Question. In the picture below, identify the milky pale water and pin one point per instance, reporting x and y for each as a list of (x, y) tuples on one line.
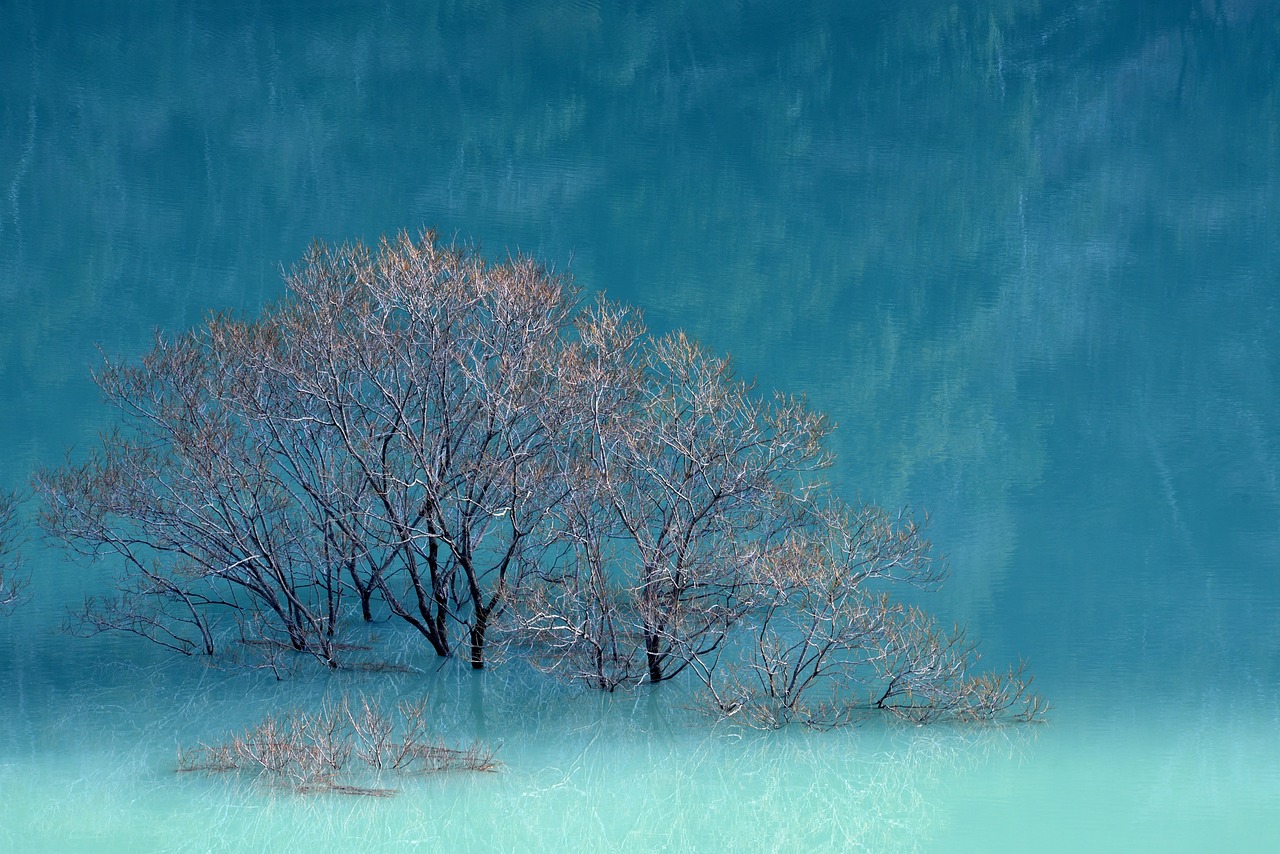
[(1026, 254)]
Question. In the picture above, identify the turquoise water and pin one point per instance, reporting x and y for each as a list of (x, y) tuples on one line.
[(1024, 253)]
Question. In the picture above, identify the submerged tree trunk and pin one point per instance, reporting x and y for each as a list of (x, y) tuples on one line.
[(653, 656), (440, 594), (364, 592), (478, 630)]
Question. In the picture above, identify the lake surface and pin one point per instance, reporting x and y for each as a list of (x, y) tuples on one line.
[(1026, 254)]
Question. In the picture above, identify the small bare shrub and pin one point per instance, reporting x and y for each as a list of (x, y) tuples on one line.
[(320, 751)]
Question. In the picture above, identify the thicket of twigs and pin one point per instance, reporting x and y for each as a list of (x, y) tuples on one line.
[(338, 748)]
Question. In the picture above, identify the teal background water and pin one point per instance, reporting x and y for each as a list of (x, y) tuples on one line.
[(1025, 253)]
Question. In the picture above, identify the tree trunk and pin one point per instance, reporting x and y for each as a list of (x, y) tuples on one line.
[(651, 653), (477, 639), (439, 593)]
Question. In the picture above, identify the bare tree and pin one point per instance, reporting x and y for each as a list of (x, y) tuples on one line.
[(695, 536), (382, 432), (12, 581), (188, 496), (928, 674), (429, 371), (827, 645), (682, 481)]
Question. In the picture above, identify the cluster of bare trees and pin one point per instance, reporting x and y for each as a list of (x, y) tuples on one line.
[(419, 434)]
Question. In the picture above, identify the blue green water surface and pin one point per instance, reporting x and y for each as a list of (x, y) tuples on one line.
[(1027, 254)]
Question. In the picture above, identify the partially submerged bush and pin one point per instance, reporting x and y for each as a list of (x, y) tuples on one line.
[(333, 749)]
